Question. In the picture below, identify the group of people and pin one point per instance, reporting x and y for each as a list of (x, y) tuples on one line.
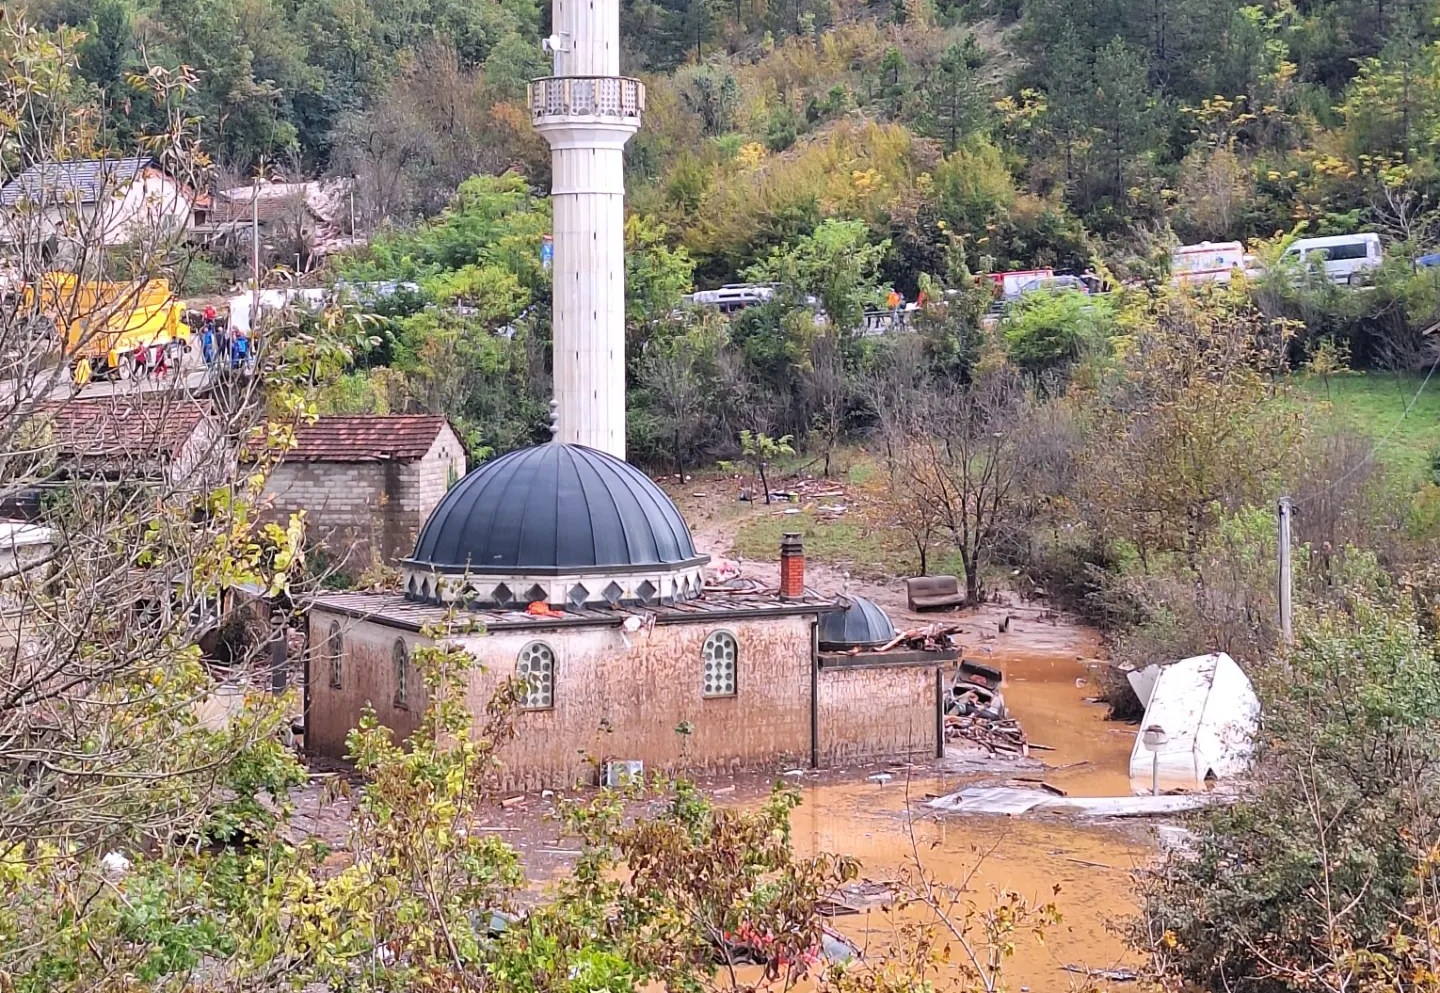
[(219, 347), (159, 359)]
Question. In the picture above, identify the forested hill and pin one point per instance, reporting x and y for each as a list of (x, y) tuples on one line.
[(1031, 131)]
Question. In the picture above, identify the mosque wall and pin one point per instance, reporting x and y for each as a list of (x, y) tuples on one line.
[(615, 695), (876, 711), (366, 653)]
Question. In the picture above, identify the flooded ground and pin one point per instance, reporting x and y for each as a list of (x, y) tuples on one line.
[(1047, 685), (984, 855), (1050, 688)]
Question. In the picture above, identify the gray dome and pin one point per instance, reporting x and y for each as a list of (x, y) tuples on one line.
[(554, 509), (860, 625)]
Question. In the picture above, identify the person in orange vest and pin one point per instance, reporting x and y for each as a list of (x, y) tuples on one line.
[(893, 302)]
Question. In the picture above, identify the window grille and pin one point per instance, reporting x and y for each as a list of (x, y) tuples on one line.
[(720, 653), (536, 667)]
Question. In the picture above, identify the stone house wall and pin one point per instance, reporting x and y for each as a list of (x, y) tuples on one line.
[(358, 510)]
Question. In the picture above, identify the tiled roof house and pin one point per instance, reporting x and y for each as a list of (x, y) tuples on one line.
[(366, 483), (93, 201)]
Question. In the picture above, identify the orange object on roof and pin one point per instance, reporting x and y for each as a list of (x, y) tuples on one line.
[(542, 609)]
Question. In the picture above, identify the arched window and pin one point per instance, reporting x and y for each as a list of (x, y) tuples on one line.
[(335, 652), (720, 655), (536, 667), (400, 658)]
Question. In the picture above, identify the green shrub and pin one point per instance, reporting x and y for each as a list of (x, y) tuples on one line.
[(1046, 330), (1310, 873)]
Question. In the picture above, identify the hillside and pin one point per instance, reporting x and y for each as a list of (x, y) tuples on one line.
[(1026, 132)]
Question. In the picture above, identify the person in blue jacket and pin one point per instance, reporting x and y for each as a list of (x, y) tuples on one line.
[(239, 350)]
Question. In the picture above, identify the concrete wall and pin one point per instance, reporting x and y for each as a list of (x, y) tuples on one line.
[(358, 510), (612, 701), (877, 711)]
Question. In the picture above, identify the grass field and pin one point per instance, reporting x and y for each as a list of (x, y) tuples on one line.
[(1374, 404), (863, 542)]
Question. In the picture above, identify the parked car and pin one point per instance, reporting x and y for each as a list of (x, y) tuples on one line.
[(1345, 259), (734, 296), (1052, 284), (1007, 284)]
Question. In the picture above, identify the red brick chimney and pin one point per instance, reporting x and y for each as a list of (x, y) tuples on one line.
[(792, 567)]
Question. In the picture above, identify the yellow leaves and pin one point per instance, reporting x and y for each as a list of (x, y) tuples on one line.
[(751, 154), (865, 181)]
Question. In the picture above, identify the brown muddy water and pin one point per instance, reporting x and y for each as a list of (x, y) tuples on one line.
[(983, 856), (888, 827)]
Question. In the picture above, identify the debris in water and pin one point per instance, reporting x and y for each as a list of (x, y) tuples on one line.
[(1113, 975), (1009, 800), (996, 737)]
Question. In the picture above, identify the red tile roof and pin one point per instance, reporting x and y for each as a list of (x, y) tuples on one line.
[(119, 425), (367, 438)]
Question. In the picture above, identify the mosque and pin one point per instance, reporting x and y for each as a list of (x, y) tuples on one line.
[(565, 566)]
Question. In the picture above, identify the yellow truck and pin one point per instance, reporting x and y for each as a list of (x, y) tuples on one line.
[(99, 325)]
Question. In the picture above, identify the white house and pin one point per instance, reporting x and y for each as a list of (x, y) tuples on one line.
[(104, 202)]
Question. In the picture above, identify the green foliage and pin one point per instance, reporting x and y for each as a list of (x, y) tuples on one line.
[(1048, 330), (838, 264), (491, 219), (1312, 871), (711, 92), (957, 103), (656, 276), (474, 350), (202, 276)]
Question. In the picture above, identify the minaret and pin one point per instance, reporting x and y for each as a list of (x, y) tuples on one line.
[(587, 111)]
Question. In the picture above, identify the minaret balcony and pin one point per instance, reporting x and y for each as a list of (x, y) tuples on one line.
[(608, 99)]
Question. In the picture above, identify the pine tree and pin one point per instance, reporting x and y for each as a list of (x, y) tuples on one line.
[(956, 103)]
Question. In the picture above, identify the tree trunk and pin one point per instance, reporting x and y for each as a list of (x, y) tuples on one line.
[(973, 589), (764, 484)]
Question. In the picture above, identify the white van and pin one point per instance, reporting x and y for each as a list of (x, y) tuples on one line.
[(1345, 257), (1207, 262)]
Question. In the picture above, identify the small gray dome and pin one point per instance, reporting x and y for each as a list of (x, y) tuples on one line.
[(860, 625), (553, 509)]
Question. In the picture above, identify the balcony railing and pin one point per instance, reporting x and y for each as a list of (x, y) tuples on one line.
[(587, 96)]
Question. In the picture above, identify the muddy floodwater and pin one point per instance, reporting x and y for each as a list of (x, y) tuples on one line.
[(888, 827), (1090, 865)]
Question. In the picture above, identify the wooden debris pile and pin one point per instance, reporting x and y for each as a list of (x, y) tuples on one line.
[(998, 737), (930, 638)]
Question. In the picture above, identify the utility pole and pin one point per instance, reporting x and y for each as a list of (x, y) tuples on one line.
[(255, 252), (1284, 511)]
